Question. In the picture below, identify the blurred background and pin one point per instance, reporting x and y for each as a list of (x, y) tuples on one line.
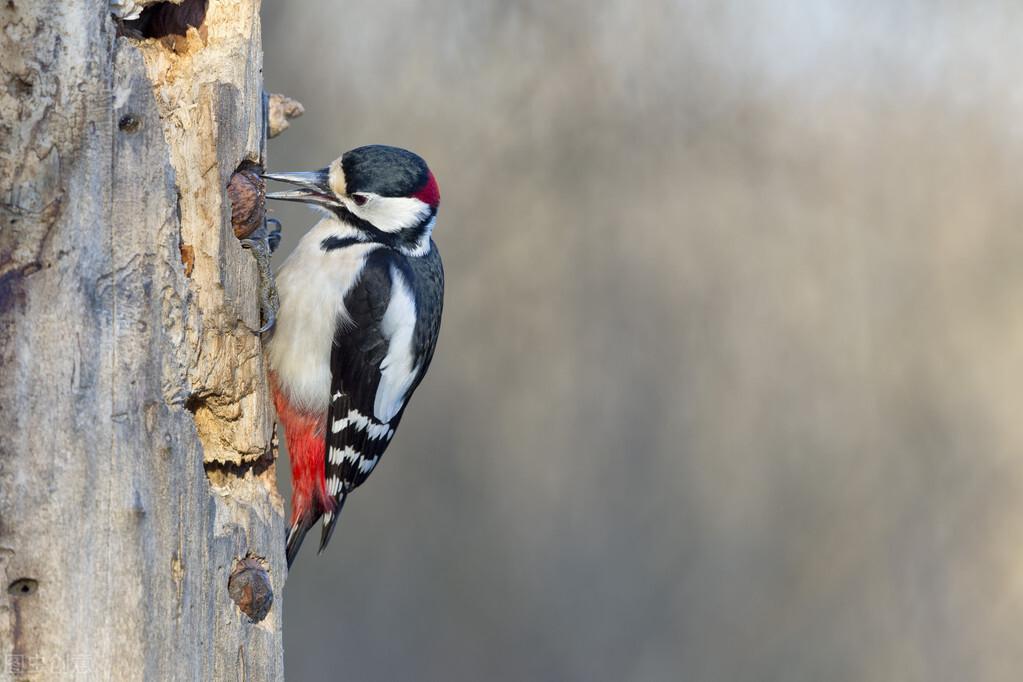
[(730, 380)]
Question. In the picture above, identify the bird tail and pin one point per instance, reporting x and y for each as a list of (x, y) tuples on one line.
[(330, 520), (297, 533)]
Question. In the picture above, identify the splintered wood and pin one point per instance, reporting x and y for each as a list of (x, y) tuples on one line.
[(137, 469)]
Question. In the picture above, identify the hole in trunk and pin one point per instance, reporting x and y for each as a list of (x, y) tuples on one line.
[(222, 474), (167, 19), (23, 587)]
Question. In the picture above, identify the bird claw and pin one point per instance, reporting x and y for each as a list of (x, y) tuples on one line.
[(271, 321), (262, 243), (273, 236)]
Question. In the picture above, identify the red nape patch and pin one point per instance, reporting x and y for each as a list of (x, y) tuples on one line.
[(304, 433), (430, 192)]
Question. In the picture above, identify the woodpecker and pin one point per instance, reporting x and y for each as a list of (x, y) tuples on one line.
[(360, 307)]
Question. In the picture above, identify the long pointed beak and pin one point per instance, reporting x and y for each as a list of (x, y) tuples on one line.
[(314, 187)]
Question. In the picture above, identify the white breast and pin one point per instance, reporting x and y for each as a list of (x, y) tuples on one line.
[(312, 285)]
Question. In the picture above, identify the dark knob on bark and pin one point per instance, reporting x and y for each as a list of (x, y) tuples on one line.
[(250, 588), (247, 194)]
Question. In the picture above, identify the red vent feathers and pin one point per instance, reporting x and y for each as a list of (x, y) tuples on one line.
[(306, 449)]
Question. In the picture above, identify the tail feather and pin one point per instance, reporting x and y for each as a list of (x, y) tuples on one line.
[(330, 520), (297, 534)]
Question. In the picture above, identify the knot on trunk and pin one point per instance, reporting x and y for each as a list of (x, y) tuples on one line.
[(250, 588), (247, 193)]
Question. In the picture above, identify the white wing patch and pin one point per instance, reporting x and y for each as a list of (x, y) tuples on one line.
[(396, 371)]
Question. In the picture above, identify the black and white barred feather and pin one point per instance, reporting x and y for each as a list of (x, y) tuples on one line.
[(382, 349)]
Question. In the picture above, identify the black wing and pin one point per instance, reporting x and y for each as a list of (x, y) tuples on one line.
[(361, 419)]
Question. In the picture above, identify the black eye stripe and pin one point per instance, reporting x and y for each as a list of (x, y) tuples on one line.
[(407, 236)]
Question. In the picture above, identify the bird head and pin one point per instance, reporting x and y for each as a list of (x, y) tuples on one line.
[(385, 194)]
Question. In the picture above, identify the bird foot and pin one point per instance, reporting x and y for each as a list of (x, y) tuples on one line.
[(263, 242)]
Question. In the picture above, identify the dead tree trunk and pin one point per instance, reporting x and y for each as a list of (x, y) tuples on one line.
[(136, 459)]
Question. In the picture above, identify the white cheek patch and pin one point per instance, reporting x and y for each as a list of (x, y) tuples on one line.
[(391, 214)]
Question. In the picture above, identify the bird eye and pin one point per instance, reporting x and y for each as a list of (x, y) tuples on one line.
[(360, 199)]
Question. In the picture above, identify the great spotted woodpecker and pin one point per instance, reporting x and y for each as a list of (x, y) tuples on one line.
[(360, 309)]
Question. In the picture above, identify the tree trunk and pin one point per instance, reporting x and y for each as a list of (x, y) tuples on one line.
[(137, 463)]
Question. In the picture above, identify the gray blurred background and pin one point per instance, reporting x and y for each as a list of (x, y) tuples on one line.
[(730, 381)]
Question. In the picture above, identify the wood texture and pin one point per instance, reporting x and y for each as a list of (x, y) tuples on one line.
[(137, 466)]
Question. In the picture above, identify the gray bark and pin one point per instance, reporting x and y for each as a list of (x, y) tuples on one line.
[(137, 463)]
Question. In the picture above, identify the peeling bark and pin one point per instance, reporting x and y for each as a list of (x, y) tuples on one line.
[(137, 468)]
